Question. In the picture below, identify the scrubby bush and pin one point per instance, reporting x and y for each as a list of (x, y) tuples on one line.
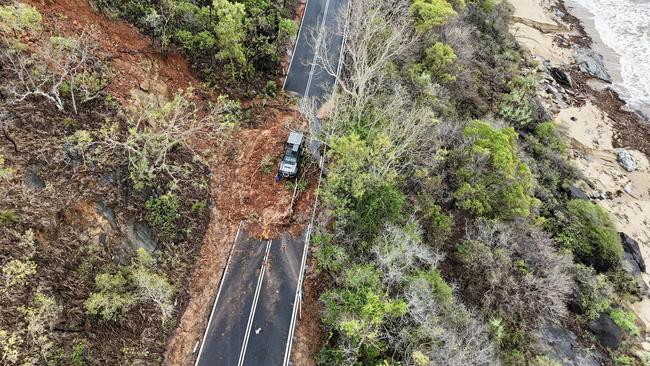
[(516, 272), (162, 214), (625, 319), (431, 13), (493, 182), (595, 293), (591, 235)]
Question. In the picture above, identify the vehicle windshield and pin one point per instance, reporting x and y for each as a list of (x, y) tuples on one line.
[(290, 159)]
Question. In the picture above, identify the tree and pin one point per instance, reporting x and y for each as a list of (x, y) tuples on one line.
[(516, 272), (154, 131), (438, 59), (61, 67), (230, 31), (152, 286), (493, 182), (430, 13), (360, 187), (112, 297)]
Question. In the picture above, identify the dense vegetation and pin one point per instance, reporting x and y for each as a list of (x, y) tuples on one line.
[(449, 236), (103, 209), (226, 41)]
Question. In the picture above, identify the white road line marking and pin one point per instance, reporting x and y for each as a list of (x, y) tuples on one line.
[(254, 306), (295, 46), (298, 295), (214, 307)]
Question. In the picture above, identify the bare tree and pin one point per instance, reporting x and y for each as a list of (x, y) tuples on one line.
[(59, 66), (377, 32), (154, 131), (517, 271)]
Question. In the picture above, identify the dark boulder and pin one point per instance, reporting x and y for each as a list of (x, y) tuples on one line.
[(629, 265), (561, 77), (632, 247), (578, 193), (32, 180), (608, 333), (562, 346)]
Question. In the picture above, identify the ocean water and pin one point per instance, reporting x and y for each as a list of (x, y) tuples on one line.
[(623, 26)]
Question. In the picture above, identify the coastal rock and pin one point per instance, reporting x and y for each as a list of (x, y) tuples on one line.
[(608, 333), (631, 247), (562, 345), (629, 265), (591, 62), (561, 77), (576, 192), (625, 159)]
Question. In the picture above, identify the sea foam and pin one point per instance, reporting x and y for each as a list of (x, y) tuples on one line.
[(624, 26)]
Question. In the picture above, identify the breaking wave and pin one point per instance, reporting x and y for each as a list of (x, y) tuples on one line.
[(624, 26)]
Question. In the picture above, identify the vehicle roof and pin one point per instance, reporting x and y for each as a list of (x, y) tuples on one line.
[(295, 138)]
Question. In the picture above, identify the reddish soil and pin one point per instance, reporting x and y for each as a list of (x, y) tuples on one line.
[(240, 191), (239, 188), (131, 54)]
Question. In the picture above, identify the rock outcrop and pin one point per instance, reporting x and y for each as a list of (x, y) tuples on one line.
[(606, 331), (562, 346), (631, 248), (591, 63)]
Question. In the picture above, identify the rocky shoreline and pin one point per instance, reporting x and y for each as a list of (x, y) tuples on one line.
[(609, 144)]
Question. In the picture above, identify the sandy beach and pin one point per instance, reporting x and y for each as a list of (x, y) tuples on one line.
[(591, 128)]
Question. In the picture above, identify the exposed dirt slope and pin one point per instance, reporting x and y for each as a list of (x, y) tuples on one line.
[(134, 59)]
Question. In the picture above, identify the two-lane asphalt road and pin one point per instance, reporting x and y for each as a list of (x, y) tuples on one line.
[(251, 318), (320, 21), (255, 310)]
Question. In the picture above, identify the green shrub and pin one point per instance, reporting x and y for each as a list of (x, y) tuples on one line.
[(439, 59), (430, 13), (78, 354), (8, 217), (494, 182), (591, 235), (626, 320), (595, 292), (547, 133), (329, 257), (113, 296), (162, 214), (19, 18)]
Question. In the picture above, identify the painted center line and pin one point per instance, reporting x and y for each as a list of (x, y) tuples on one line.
[(254, 306)]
